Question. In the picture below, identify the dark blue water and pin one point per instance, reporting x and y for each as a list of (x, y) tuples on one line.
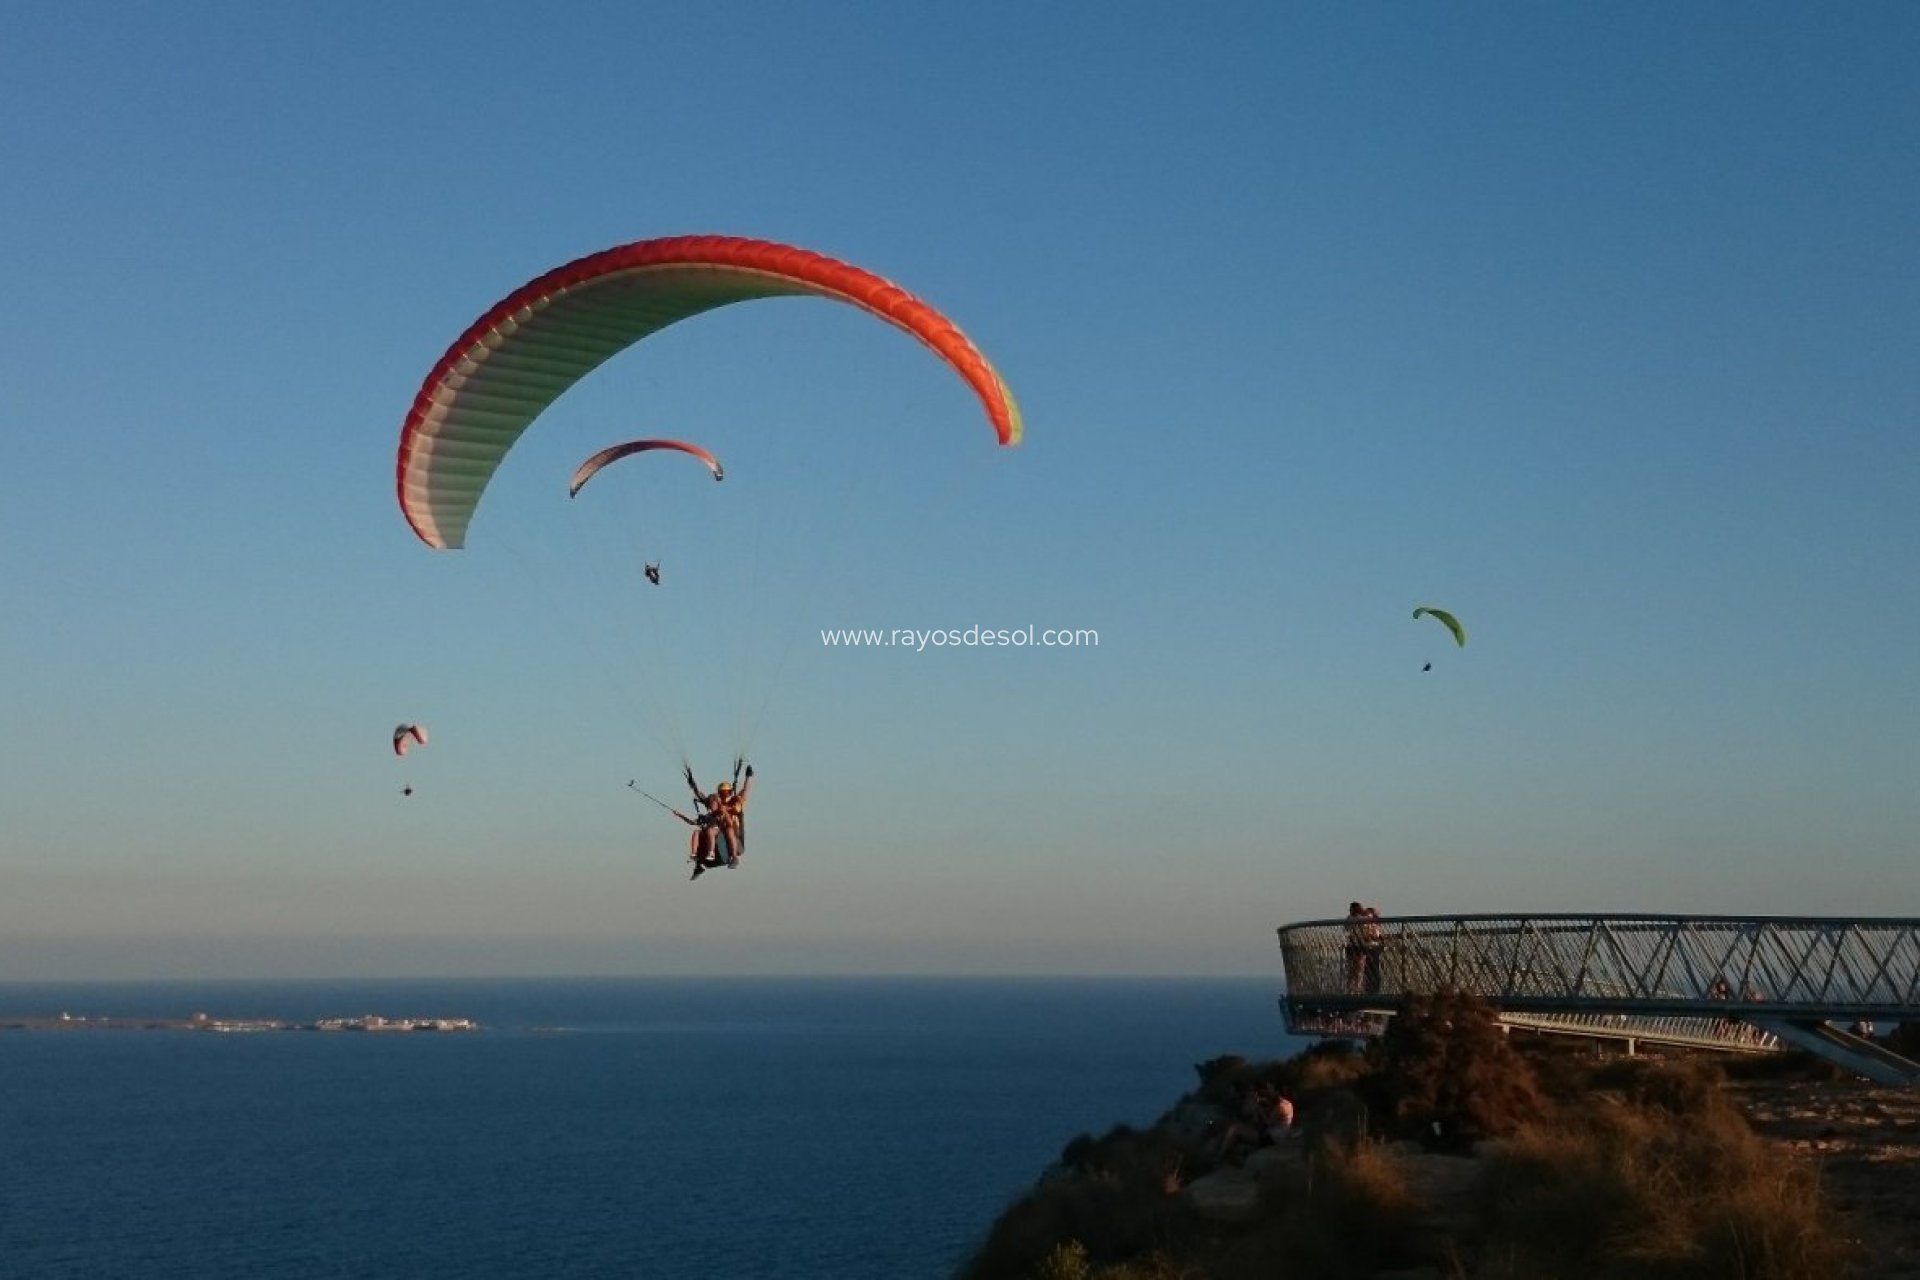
[(802, 1129)]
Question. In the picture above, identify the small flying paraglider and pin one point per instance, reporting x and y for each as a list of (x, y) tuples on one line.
[(406, 736), (613, 453), (1446, 620)]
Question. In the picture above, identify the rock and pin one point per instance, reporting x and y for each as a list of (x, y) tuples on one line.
[(1268, 1165), (1227, 1195), (1445, 1186)]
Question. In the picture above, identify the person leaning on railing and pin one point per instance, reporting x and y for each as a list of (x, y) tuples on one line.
[(1356, 947), (1372, 938), (1364, 944)]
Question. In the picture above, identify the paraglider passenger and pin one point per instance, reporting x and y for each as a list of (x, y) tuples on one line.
[(701, 850), (731, 805)]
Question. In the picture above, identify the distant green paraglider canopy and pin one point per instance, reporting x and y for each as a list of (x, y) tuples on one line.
[(1446, 619)]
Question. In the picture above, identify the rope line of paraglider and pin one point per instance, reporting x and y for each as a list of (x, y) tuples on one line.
[(646, 704)]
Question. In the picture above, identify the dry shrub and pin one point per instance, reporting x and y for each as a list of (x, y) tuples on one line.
[(1561, 1064), (1654, 1178), (1359, 1214), (1362, 1186), (1333, 1117), (1155, 1266), (1108, 1219), (1794, 1064), (1113, 1203), (1679, 1086), (1068, 1261), (1444, 1073), (1065, 1261), (1219, 1078), (1329, 1065)]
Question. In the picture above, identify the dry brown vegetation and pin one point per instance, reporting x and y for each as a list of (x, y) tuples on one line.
[(1446, 1074), (1658, 1174), (1445, 1151)]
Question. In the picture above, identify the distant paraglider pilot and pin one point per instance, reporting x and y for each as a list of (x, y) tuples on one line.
[(653, 574), (406, 737), (1445, 619)]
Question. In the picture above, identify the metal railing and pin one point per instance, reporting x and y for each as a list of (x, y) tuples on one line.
[(1706, 967)]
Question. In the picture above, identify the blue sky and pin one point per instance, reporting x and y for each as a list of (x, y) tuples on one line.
[(1595, 326)]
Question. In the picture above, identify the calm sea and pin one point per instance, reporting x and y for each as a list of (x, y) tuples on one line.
[(796, 1128)]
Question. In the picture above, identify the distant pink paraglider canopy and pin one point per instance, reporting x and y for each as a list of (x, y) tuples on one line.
[(613, 453), (408, 735)]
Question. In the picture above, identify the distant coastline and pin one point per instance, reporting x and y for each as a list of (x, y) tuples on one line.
[(371, 1022)]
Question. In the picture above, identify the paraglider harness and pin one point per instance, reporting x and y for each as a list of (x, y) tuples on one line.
[(726, 843)]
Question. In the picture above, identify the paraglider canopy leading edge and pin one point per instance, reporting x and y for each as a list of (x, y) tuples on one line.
[(1446, 620), (539, 340)]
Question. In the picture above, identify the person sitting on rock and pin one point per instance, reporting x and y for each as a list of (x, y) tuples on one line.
[(1280, 1118), (1265, 1119)]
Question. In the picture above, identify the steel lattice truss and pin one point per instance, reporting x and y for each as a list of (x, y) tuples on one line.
[(1797, 967)]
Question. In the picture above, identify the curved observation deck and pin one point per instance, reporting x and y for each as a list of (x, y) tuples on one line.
[(1743, 983)]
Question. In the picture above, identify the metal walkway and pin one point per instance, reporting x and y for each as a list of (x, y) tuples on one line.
[(1739, 983)]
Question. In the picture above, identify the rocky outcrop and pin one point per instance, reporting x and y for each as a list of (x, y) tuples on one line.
[(1226, 1195)]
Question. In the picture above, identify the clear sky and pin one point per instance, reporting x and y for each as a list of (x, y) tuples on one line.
[(1597, 325)]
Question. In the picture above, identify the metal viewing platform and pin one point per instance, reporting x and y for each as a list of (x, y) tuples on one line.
[(1750, 984)]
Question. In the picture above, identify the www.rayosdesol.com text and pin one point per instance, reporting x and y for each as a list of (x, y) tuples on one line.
[(960, 638)]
